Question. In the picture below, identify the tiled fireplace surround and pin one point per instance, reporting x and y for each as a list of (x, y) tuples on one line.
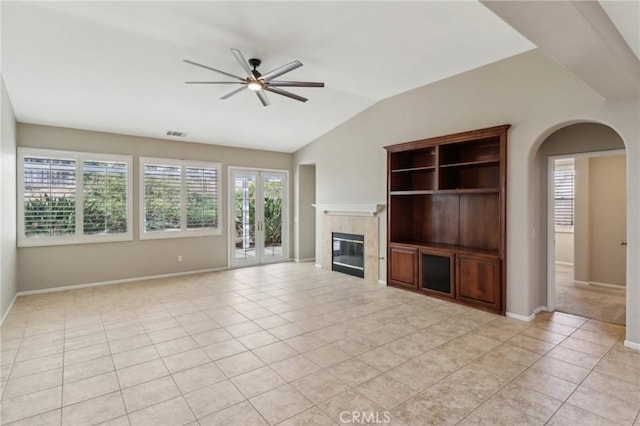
[(352, 219)]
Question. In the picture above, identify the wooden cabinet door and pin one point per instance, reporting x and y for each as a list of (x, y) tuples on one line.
[(403, 267), (478, 281)]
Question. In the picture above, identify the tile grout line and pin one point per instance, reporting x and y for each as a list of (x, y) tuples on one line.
[(115, 372)]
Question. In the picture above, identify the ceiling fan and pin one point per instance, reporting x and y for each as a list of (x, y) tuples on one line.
[(258, 82)]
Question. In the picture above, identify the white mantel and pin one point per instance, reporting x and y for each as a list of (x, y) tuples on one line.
[(350, 209)]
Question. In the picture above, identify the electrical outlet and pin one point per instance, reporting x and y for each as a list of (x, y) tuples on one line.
[(179, 258)]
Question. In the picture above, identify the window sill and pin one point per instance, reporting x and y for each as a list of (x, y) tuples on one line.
[(158, 235), (564, 229), (66, 241)]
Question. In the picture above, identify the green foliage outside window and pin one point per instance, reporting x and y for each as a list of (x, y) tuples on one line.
[(161, 204), (50, 216), (105, 211), (272, 213)]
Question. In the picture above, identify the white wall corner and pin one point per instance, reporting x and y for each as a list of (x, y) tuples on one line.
[(382, 282), (520, 317), (632, 345), (530, 317), (6, 314)]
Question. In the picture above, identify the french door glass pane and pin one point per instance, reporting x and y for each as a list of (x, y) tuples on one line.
[(244, 217), (272, 187)]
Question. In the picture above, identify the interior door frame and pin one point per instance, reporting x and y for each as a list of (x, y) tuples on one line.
[(551, 217), (231, 223)]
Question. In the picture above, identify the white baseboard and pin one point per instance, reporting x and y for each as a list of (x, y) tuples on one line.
[(317, 265), (520, 317), (606, 285), (597, 284), (122, 281), (564, 263), (632, 345), (530, 317), (311, 259), (6, 314), (382, 282)]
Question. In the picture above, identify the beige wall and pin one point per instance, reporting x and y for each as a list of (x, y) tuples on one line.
[(8, 253), (607, 221), (305, 220), (54, 266), (533, 94), (564, 247)]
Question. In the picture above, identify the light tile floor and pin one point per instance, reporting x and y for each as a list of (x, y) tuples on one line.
[(291, 344)]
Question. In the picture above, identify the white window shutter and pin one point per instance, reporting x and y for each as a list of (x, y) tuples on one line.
[(49, 197)]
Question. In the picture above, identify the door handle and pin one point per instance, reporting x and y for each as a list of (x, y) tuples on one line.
[(624, 243)]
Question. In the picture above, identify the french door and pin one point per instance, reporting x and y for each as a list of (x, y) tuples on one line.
[(258, 216)]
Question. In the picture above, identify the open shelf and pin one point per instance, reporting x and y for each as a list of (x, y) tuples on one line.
[(472, 164), (419, 158), (413, 169), (421, 179), (468, 191), (475, 176), (481, 150), (414, 192)]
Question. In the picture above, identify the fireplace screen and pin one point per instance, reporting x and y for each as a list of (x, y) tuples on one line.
[(348, 254)]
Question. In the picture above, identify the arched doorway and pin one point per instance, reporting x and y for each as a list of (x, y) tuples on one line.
[(575, 284)]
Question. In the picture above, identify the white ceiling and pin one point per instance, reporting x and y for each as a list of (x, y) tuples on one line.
[(117, 66)]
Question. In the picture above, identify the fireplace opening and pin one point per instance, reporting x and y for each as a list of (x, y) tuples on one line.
[(348, 254)]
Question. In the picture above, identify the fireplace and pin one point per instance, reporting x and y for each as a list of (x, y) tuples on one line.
[(348, 253)]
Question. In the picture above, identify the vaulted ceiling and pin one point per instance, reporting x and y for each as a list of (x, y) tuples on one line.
[(117, 66)]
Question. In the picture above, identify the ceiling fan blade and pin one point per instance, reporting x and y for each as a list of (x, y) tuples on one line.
[(282, 70), (273, 83), (238, 90), (263, 97), (213, 82), (213, 69), (285, 93), (243, 62)]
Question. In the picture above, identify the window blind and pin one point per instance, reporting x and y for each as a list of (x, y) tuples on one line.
[(49, 197), (105, 197), (202, 197), (564, 187), (162, 197)]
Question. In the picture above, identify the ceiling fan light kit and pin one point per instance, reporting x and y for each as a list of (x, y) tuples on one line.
[(257, 82)]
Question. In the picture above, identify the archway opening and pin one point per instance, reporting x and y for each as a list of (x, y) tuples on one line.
[(583, 210)]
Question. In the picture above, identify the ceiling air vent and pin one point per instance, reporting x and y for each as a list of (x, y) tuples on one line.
[(176, 134)]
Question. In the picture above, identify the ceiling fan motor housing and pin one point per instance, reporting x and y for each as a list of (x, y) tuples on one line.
[(255, 63)]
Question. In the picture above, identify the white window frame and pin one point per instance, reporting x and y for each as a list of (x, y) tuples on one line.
[(78, 237), (183, 232)]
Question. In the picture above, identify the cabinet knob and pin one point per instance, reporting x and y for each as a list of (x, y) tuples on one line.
[(624, 243)]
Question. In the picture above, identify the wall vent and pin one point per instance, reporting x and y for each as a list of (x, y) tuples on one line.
[(176, 133)]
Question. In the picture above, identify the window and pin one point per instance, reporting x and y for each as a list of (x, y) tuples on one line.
[(564, 186), (179, 198), (70, 197)]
